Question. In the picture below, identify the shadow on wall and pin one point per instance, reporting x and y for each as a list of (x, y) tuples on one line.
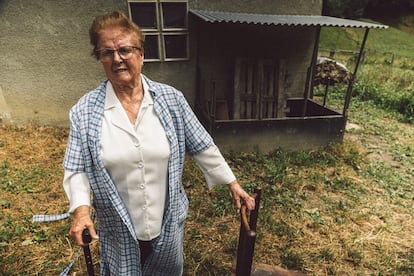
[(4, 109)]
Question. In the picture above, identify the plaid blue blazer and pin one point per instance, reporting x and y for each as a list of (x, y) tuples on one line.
[(120, 254)]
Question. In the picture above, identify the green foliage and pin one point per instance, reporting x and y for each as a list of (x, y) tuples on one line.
[(393, 94), (20, 180), (390, 40), (380, 41), (355, 256), (336, 38), (345, 8), (389, 86), (291, 259), (373, 8)]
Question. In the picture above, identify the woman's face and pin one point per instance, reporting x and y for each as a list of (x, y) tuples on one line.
[(121, 71)]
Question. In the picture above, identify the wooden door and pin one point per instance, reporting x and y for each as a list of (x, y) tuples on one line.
[(256, 89)]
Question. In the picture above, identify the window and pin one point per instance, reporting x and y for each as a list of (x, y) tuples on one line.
[(164, 24)]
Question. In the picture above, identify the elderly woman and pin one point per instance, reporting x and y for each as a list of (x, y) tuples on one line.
[(127, 144)]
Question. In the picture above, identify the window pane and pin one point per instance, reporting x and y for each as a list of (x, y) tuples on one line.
[(144, 14), (175, 46), (151, 47), (174, 15)]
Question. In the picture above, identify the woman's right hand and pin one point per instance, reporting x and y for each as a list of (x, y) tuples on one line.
[(82, 220)]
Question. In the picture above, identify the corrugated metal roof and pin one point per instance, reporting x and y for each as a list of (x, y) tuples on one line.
[(281, 20)]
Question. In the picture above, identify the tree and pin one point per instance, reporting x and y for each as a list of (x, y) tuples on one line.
[(344, 8), (380, 8)]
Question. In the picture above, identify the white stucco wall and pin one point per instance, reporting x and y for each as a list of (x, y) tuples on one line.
[(45, 61)]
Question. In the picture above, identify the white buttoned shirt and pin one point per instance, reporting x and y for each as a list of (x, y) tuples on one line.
[(136, 157)]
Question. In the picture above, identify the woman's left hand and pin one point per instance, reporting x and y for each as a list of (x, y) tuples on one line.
[(239, 194)]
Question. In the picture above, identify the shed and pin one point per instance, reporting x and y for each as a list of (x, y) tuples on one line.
[(252, 92), (246, 69)]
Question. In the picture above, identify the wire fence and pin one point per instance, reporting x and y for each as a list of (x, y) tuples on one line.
[(349, 57)]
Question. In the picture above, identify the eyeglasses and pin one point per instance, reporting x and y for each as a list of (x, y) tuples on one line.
[(124, 52)]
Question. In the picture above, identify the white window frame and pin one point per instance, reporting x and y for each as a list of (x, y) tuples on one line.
[(161, 31), (160, 55), (165, 48)]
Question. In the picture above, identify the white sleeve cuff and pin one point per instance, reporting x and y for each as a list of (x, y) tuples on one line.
[(76, 186), (215, 168)]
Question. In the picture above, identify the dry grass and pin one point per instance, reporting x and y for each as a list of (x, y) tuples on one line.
[(336, 211)]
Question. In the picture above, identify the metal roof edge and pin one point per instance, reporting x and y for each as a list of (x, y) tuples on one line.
[(281, 20)]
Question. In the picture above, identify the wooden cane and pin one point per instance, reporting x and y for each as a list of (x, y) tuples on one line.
[(86, 238)]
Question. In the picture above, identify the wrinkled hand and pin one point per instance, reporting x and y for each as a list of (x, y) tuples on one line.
[(81, 221), (239, 194)]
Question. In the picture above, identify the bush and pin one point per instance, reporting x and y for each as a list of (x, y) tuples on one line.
[(389, 88)]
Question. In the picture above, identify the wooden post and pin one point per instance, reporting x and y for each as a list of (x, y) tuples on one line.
[(281, 96), (237, 88)]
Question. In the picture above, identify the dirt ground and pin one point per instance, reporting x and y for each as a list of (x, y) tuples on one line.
[(30, 162)]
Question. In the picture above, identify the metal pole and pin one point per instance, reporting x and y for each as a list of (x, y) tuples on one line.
[(311, 73), (352, 81)]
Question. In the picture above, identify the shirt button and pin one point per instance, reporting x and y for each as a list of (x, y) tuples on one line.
[(140, 164), (145, 207), (142, 186)]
